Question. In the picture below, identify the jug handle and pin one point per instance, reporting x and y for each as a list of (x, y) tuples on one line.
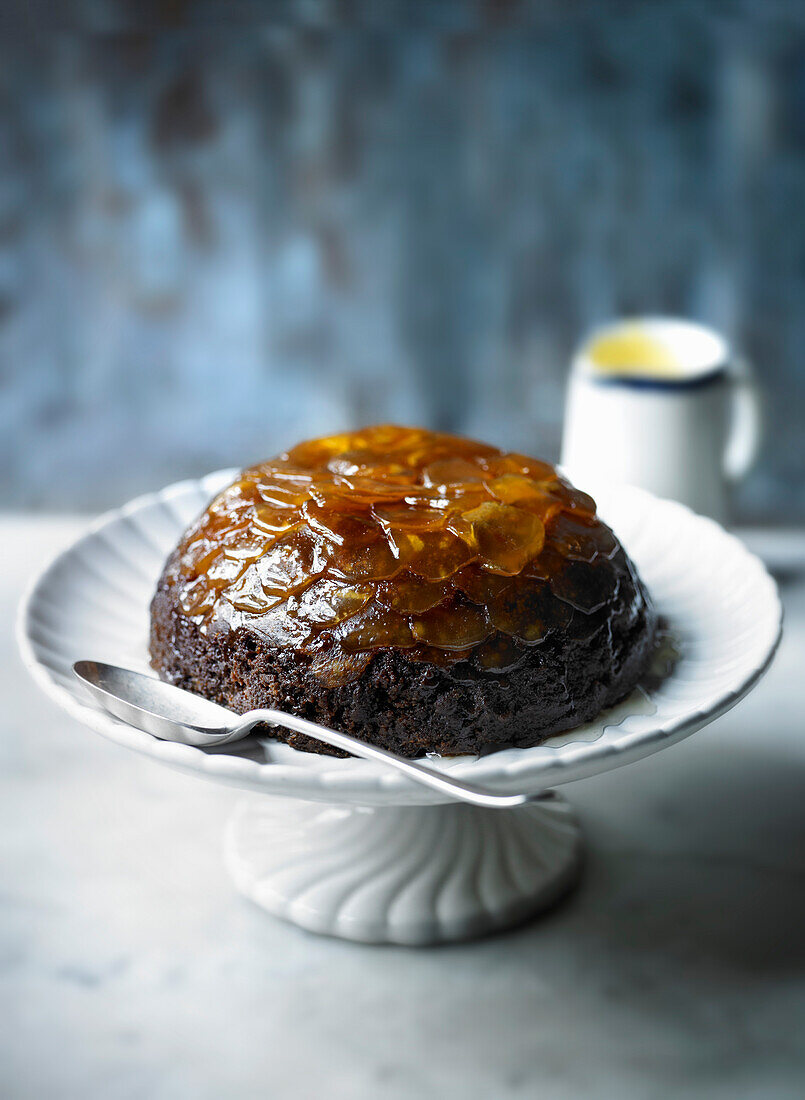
[(746, 430)]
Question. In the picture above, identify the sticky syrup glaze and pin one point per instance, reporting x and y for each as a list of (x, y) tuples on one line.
[(444, 547)]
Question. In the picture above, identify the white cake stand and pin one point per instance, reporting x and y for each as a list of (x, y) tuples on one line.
[(347, 848)]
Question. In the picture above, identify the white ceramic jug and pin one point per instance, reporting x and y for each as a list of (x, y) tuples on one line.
[(664, 404)]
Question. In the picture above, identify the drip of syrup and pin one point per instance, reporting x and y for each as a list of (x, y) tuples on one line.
[(664, 656)]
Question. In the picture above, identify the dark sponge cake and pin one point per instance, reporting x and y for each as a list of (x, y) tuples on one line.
[(424, 592)]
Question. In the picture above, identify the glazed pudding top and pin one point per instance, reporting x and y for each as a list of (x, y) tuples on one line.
[(398, 537)]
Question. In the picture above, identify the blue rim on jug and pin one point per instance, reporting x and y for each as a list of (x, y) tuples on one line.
[(664, 353)]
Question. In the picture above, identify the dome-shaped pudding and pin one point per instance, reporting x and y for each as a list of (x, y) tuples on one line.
[(424, 592)]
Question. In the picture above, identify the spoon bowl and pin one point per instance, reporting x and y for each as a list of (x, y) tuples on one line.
[(161, 709)]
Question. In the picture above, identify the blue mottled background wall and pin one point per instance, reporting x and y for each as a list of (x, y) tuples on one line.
[(220, 236)]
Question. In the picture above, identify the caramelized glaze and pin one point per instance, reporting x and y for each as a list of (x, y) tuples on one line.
[(397, 537)]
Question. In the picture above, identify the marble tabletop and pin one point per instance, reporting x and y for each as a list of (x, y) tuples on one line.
[(130, 968)]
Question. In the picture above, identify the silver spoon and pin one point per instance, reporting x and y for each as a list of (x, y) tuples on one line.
[(174, 714)]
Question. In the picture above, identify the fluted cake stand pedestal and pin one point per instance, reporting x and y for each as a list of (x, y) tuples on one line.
[(347, 848), (402, 875)]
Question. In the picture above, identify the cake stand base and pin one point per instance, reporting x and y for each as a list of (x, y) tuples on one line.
[(407, 875)]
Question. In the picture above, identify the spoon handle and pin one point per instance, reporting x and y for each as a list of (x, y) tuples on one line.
[(420, 773)]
